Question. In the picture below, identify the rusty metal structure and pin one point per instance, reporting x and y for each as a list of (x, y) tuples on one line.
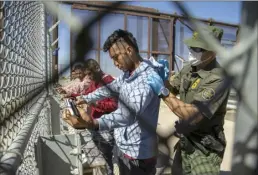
[(164, 30)]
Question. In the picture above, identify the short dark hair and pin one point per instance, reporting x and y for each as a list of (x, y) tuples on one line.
[(91, 65), (78, 66), (120, 34)]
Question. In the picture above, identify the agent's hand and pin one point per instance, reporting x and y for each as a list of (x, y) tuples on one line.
[(156, 83), (164, 69)]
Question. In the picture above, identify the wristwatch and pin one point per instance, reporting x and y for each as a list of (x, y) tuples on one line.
[(164, 92)]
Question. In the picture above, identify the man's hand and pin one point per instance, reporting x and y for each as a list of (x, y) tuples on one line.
[(73, 121), (63, 96), (60, 90), (90, 123), (84, 115), (84, 106), (79, 123), (80, 101)]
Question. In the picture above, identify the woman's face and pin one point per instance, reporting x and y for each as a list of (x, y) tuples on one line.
[(89, 74)]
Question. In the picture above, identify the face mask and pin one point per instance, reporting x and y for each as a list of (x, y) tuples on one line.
[(195, 57)]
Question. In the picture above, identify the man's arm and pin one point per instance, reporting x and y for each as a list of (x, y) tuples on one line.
[(206, 101), (109, 90), (125, 114), (73, 87), (76, 122), (183, 110), (127, 111)]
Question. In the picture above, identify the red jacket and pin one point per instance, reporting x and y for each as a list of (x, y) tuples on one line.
[(104, 106)]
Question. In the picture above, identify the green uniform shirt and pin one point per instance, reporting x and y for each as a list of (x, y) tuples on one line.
[(200, 87)]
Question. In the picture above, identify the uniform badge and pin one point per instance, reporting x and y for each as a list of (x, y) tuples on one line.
[(195, 84), (208, 93)]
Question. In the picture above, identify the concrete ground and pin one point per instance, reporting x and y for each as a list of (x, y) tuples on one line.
[(166, 127)]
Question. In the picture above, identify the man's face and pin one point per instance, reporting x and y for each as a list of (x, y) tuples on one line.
[(122, 56), (200, 56)]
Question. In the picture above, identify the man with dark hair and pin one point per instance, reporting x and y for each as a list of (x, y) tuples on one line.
[(135, 120)]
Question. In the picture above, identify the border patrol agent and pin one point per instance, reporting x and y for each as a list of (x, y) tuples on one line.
[(201, 108)]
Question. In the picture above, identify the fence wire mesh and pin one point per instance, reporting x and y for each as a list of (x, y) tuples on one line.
[(22, 60), (41, 128)]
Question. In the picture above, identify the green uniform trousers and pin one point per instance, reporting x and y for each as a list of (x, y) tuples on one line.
[(196, 163)]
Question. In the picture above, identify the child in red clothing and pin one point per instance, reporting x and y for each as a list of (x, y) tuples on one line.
[(105, 138), (77, 85), (104, 106)]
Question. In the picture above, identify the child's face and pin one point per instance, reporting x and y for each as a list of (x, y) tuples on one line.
[(78, 73)]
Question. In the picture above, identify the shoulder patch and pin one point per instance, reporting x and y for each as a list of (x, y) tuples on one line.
[(208, 93)]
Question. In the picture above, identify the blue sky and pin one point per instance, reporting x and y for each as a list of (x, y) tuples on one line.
[(227, 11)]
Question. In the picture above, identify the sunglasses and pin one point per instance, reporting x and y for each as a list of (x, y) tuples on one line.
[(197, 49)]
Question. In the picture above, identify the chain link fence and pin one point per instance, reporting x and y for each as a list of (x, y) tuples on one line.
[(26, 60)]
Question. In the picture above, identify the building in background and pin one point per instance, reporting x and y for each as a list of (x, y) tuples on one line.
[(158, 35)]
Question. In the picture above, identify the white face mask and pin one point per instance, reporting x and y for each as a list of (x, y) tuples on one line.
[(194, 57)]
